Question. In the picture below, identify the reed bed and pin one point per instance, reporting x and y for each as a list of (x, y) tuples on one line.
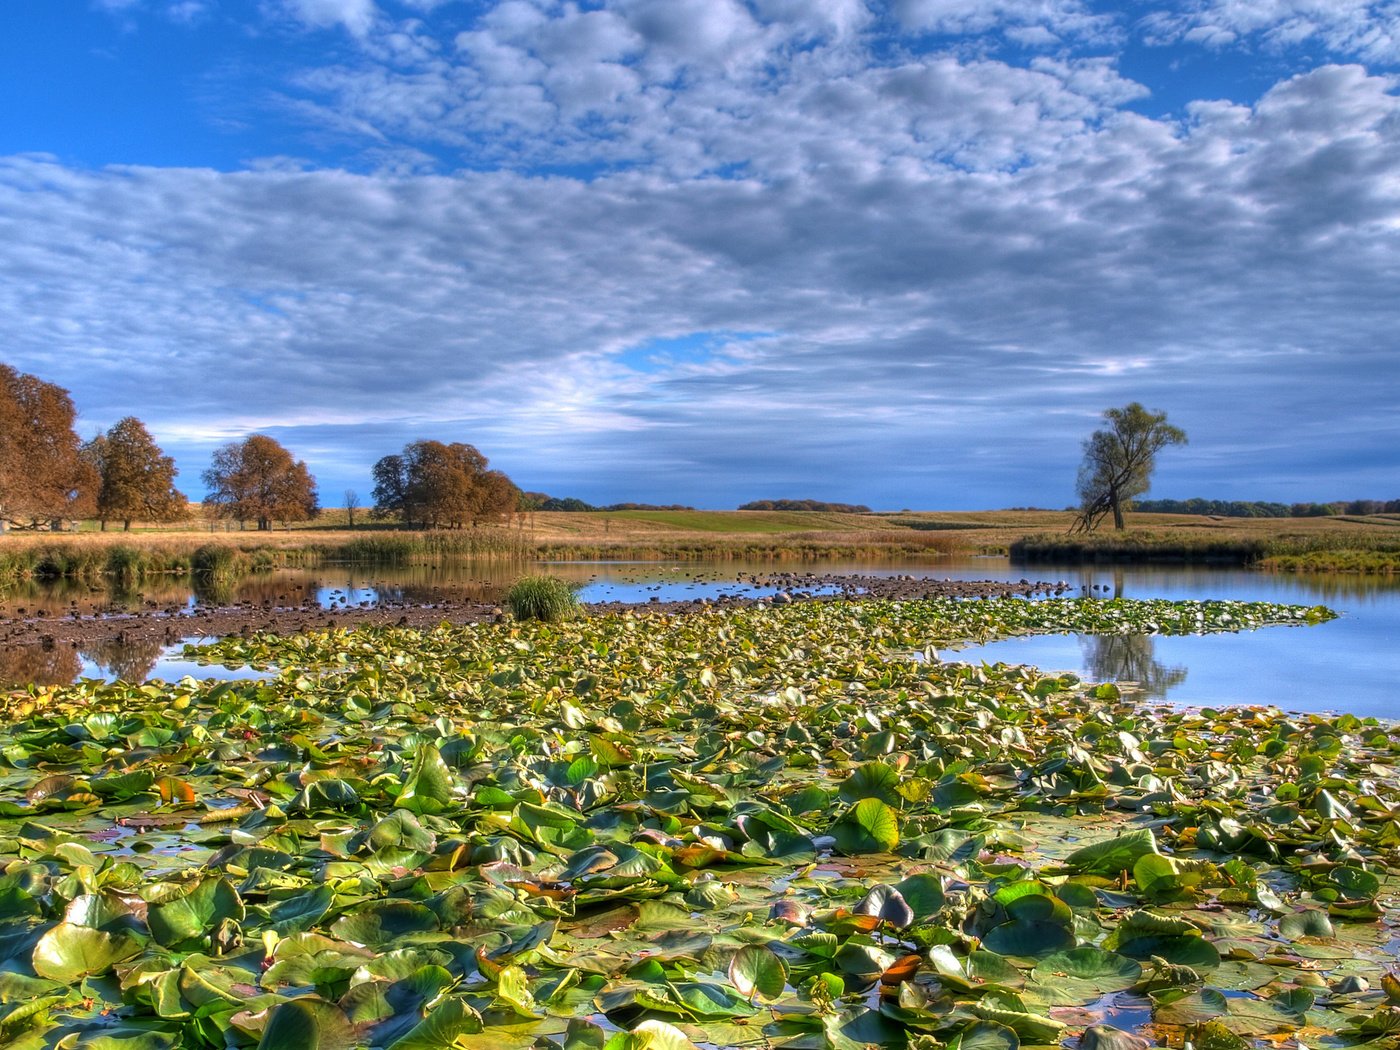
[(1348, 551), (93, 556)]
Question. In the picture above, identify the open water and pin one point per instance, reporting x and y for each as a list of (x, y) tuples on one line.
[(1351, 664)]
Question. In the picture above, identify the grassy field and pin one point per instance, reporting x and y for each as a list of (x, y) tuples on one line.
[(1344, 544)]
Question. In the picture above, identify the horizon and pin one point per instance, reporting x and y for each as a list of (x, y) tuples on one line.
[(710, 251)]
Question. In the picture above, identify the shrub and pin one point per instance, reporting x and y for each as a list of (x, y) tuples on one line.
[(541, 598)]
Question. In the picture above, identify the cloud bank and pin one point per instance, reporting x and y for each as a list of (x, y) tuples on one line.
[(900, 255)]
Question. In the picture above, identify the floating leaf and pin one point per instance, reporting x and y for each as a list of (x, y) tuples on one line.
[(756, 972), (305, 1024), (193, 916), (869, 826), (1308, 923), (871, 780), (1082, 974), (428, 788), (68, 953), (1108, 857), (886, 904)]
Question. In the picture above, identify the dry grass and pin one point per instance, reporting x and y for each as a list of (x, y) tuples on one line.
[(687, 535)]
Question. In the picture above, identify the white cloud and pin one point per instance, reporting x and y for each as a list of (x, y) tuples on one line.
[(1034, 21), (1365, 29), (944, 248), (355, 15), (708, 89), (1213, 269)]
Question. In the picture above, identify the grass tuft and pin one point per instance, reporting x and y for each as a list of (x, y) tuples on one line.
[(545, 598), (216, 561)]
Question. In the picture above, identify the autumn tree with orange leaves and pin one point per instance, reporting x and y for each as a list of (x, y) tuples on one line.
[(43, 475)]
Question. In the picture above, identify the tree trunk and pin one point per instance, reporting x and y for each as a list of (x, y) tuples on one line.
[(126, 526), (102, 525), (1118, 514)]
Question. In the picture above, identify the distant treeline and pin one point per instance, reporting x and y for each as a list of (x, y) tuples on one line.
[(807, 504), (1262, 509), (542, 501)]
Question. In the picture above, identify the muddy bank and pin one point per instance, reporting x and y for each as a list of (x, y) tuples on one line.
[(36, 631)]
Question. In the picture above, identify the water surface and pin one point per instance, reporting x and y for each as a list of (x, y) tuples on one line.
[(1350, 664)]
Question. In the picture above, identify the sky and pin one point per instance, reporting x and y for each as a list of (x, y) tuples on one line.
[(709, 251)]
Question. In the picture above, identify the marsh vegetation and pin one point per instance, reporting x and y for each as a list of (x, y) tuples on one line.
[(762, 827)]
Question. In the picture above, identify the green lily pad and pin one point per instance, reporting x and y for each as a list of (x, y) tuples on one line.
[(757, 973), (1084, 974), (68, 953), (870, 826)]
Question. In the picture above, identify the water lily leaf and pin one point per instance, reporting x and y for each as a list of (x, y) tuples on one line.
[(1108, 857), (870, 826), (865, 962), (654, 1035), (21, 1011), (1028, 1026), (301, 911), (68, 953), (871, 780), (707, 1000), (886, 904), (513, 990), (382, 922), (923, 892), (986, 1035), (757, 973), (861, 1029), (104, 910), (428, 788), (1106, 1037), (121, 787), (129, 1037), (1310, 923), (1162, 877), (307, 1024), (440, 1028), (1083, 974), (1353, 884), (401, 829), (194, 915), (330, 794)]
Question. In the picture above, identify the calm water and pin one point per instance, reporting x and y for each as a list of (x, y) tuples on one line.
[(1351, 664)]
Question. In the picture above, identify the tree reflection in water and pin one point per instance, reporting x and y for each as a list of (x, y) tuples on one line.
[(1130, 658), (21, 665), (130, 660)]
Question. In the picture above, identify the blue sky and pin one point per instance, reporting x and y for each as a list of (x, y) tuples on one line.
[(708, 251)]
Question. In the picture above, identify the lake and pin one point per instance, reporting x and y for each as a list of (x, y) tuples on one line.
[(1350, 664)]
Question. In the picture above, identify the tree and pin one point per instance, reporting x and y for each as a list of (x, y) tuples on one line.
[(1118, 462), (136, 481), (352, 504), (43, 475), (441, 486), (256, 479)]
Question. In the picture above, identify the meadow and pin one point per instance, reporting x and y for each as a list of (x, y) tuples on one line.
[(1347, 544)]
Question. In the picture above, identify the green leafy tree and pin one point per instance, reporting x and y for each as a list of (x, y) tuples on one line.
[(1118, 462), (256, 479), (43, 475), (136, 480)]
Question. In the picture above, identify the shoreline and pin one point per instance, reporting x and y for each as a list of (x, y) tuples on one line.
[(170, 625)]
